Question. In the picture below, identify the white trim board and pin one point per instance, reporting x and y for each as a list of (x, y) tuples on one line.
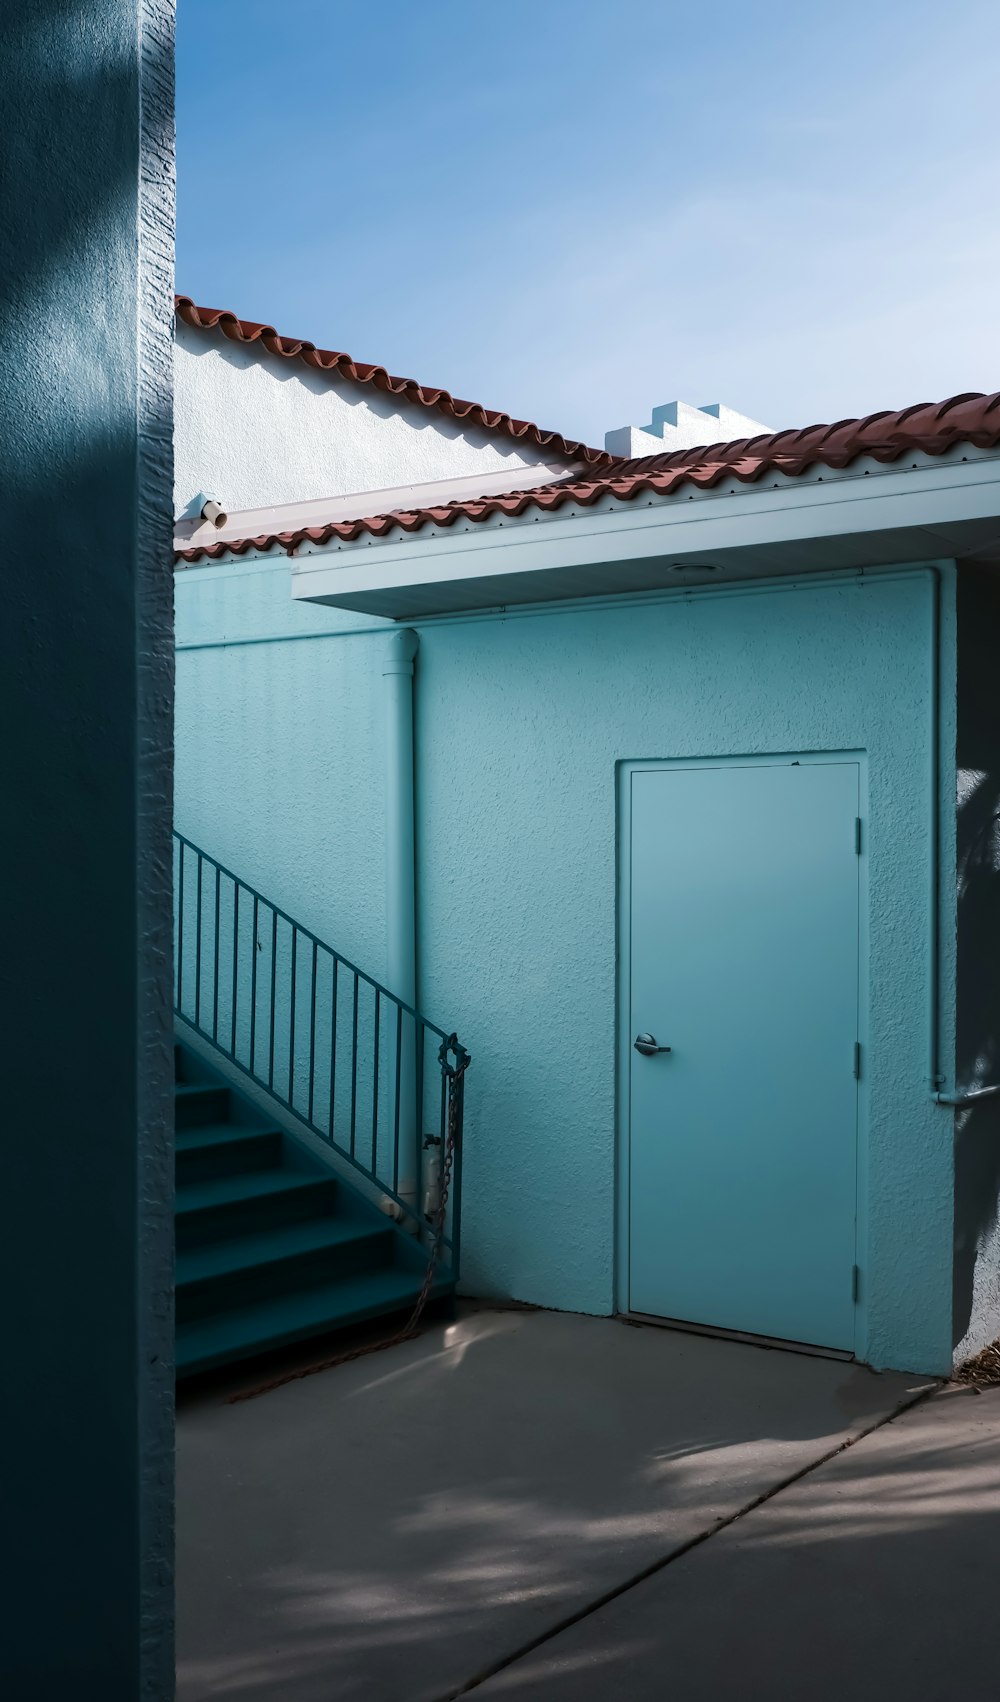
[(868, 515), (327, 510)]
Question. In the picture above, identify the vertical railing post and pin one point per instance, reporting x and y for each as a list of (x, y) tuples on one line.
[(236, 964), (197, 945), (274, 982), (254, 948), (179, 1000), (354, 1065), (312, 1031), (215, 956), (457, 1087), (375, 1080), (291, 1019), (395, 1100), (414, 1131), (333, 1045)]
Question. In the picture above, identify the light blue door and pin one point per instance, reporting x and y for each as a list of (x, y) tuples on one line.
[(744, 961)]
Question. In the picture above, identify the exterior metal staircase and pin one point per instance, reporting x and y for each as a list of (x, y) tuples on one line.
[(315, 1113)]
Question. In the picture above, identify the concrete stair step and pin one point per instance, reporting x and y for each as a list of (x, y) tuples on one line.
[(278, 1261), (272, 1246), (230, 1206), (211, 1150), (199, 1102), (245, 1331)]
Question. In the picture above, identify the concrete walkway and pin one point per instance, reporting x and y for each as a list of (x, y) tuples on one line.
[(398, 1528), (873, 1577)]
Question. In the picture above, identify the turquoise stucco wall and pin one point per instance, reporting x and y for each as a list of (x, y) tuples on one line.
[(521, 720), (280, 749)]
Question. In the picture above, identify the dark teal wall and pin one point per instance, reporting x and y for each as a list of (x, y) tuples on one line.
[(86, 688), (977, 1059)]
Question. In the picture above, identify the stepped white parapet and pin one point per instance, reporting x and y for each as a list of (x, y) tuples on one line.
[(679, 425)]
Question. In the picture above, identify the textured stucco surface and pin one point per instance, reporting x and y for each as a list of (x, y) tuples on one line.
[(280, 751), (254, 429), (521, 721), (85, 283), (154, 668), (977, 1061)]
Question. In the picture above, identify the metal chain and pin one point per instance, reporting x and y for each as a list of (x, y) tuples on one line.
[(453, 1076), (447, 1163)]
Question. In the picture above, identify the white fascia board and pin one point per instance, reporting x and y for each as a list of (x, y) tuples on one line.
[(570, 547), (359, 505)]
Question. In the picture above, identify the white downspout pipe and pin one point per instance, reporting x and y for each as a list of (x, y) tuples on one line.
[(400, 880)]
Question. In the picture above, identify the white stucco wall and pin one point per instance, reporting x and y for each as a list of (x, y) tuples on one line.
[(253, 429)]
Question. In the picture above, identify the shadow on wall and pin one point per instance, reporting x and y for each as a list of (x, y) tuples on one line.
[(386, 404), (976, 1302), (86, 669)]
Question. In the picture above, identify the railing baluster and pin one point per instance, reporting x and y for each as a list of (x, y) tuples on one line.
[(312, 1035), (455, 1199), (254, 947), (291, 1021), (354, 1065), (407, 1094), (333, 1042), (274, 972), (215, 976), (180, 930), (418, 1121), (236, 936), (378, 1027), (395, 1116), (197, 948)]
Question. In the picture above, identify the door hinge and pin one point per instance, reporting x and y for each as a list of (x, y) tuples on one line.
[(857, 1060), (857, 836), (855, 1283)]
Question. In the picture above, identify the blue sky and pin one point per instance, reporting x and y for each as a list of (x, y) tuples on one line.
[(578, 211)]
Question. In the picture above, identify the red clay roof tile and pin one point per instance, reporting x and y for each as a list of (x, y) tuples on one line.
[(928, 427), (247, 331)]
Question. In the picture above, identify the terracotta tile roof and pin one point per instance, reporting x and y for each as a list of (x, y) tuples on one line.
[(247, 331), (927, 427)]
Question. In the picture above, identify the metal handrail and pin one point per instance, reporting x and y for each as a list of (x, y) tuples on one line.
[(959, 1100), (324, 1039), (283, 915)]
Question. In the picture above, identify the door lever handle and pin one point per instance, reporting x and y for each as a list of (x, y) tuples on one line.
[(646, 1044)]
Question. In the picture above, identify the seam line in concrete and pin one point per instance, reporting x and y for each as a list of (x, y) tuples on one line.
[(683, 1548)]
